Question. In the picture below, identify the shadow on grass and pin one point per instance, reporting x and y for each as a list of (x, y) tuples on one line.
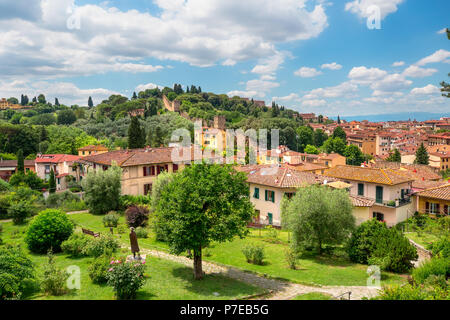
[(221, 284)]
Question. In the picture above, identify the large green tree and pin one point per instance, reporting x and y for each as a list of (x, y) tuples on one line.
[(66, 117), (204, 203), (395, 156), (336, 145), (318, 216), (340, 133), (354, 155), (422, 156), (20, 162), (136, 135)]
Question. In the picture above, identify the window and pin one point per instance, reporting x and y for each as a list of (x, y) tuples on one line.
[(432, 208), (289, 195), (147, 188), (270, 216), (256, 194), (360, 189), (379, 194), (175, 168), (270, 195), (379, 216)]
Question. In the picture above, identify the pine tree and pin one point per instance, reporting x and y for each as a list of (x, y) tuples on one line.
[(339, 120), (422, 156), (395, 156), (20, 162), (136, 135), (57, 102), (22, 100), (134, 96), (52, 182), (90, 102)]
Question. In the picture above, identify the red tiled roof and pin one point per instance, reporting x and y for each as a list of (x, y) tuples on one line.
[(381, 176), (56, 158), (280, 176), (93, 148), (441, 193), (359, 201)]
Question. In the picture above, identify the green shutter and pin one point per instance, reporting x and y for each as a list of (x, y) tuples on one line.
[(273, 196), (256, 195), (267, 198)]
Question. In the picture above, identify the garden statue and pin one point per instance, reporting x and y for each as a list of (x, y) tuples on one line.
[(134, 244)]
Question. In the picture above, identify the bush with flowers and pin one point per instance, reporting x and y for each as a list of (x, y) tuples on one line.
[(126, 278)]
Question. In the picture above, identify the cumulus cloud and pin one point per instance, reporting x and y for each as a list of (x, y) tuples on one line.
[(305, 72), (341, 90), (66, 92), (439, 56), (362, 7), (143, 87), (427, 90), (398, 64), (314, 103), (418, 72), (364, 75), (331, 66), (199, 32)]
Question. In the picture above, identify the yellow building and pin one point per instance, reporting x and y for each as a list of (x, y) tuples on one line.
[(209, 138), (92, 150), (434, 201)]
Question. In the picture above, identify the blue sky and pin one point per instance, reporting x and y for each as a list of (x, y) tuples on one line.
[(312, 56)]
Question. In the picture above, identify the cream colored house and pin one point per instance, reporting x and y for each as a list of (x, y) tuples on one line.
[(269, 184), (389, 189)]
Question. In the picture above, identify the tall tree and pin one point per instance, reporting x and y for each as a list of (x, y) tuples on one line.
[(90, 102), (57, 102), (422, 156), (52, 182), (339, 120), (354, 155), (395, 156), (134, 96), (43, 134), (136, 135), (318, 216), (41, 99), (340, 133), (20, 162), (203, 204)]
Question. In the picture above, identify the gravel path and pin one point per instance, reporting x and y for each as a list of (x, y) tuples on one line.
[(282, 290)]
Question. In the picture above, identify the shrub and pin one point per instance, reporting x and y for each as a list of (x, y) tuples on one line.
[(98, 270), (254, 254), (121, 229), (16, 273), (141, 233), (441, 248), (129, 200), (58, 199), (74, 205), (271, 232), (76, 245), (137, 216), (20, 211), (54, 278), (361, 244), (4, 186), (48, 230), (291, 259), (126, 278), (433, 267), (111, 220), (105, 244), (393, 252)]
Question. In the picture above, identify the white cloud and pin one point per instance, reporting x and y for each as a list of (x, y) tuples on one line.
[(143, 87), (66, 92), (290, 97), (331, 66), (398, 64), (427, 90), (306, 72), (269, 65), (360, 7), (314, 103), (364, 75), (343, 89), (442, 31), (418, 72), (199, 32), (243, 94), (438, 56), (391, 83)]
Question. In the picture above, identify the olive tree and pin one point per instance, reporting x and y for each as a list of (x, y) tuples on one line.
[(318, 216)]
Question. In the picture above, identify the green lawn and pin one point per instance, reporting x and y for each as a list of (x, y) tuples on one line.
[(311, 270), (166, 280), (423, 239), (313, 296)]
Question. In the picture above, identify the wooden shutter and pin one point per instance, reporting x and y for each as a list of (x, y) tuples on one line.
[(145, 171), (267, 198), (273, 196)]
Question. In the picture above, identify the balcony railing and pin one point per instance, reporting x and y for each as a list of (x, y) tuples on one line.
[(395, 203)]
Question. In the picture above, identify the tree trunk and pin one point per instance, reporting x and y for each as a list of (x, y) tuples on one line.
[(198, 270)]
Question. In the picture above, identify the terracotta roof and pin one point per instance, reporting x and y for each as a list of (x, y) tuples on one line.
[(306, 166), (13, 163), (94, 148), (56, 158), (279, 176), (441, 193), (420, 185), (339, 185), (380, 176), (134, 157), (358, 201)]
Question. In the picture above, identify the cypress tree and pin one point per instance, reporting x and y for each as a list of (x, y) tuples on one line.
[(422, 156), (20, 162), (57, 102), (52, 182), (395, 156), (136, 135), (90, 102), (134, 96)]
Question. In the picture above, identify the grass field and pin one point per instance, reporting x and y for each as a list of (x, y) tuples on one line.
[(324, 270), (423, 239), (166, 280), (313, 296)]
